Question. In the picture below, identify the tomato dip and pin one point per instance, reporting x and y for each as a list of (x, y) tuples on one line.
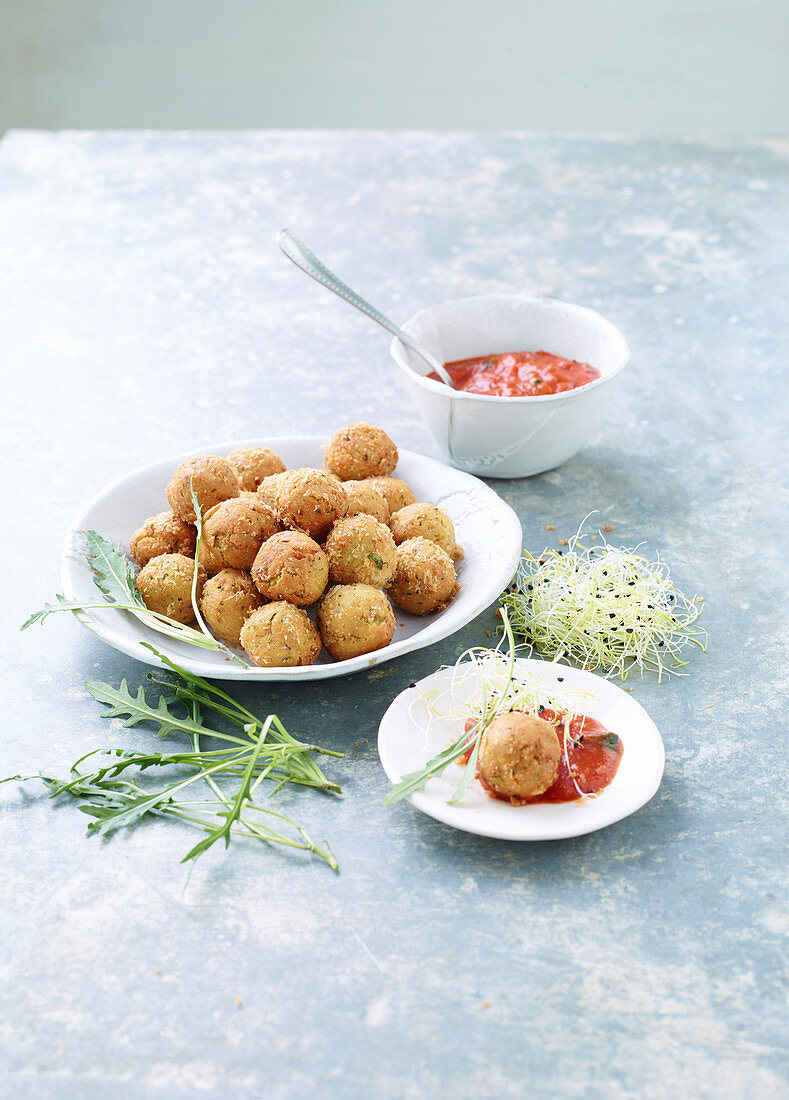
[(518, 374), (590, 756)]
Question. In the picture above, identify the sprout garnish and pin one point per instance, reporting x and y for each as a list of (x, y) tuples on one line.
[(605, 607)]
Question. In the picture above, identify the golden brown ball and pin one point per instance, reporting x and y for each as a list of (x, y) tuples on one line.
[(365, 499), (398, 494), (519, 755), (358, 451), (310, 500), (291, 566), (213, 479), (425, 521), (361, 551), (355, 619), (280, 635), (424, 578), (234, 531), (165, 585), (269, 488), (227, 601), (254, 464), (164, 533)]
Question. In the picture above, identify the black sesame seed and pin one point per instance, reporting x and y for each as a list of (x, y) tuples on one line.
[(560, 679)]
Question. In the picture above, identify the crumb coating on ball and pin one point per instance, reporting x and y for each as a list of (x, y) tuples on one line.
[(213, 479), (397, 493), (424, 578), (228, 599), (165, 585), (280, 635), (291, 566), (254, 464), (361, 551), (425, 521), (235, 530), (164, 533), (359, 451), (365, 499), (310, 500), (519, 755), (354, 619)]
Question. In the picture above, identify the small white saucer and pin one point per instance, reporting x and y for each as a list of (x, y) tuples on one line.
[(405, 744)]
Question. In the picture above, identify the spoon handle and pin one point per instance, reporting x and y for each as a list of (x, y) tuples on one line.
[(302, 257)]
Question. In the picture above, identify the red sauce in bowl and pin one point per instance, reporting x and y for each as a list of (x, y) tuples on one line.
[(591, 759), (518, 374)]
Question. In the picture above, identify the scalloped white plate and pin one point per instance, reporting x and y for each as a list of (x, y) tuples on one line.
[(404, 746), (488, 530)]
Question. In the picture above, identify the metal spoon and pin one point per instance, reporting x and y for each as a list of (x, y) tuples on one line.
[(301, 256)]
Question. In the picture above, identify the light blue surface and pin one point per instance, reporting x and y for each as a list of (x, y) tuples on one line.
[(144, 308)]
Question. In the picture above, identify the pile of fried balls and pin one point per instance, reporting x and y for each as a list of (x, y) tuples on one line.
[(276, 541)]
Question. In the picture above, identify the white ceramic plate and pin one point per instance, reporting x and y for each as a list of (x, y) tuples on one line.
[(404, 746), (488, 530)]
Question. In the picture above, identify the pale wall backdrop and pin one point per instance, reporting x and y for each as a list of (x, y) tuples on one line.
[(654, 67)]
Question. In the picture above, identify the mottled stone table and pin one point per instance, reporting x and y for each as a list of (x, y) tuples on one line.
[(144, 309)]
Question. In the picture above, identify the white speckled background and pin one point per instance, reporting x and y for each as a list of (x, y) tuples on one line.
[(144, 307)]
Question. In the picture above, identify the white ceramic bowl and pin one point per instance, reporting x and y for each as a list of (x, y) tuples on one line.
[(511, 436)]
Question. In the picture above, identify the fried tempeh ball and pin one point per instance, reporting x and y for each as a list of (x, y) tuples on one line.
[(398, 494), (355, 619), (213, 478), (269, 487), (164, 533), (165, 585), (280, 635), (234, 531), (519, 755), (424, 578), (361, 551), (310, 500), (425, 521), (365, 499), (253, 464), (228, 600), (291, 566), (358, 451)]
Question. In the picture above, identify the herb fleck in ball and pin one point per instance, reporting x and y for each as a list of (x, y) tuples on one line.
[(311, 500), (254, 464), (428, 522), (291, 566), (360, 450), (424, 578), (213, 479), (228, 600), (365, 499), (519, 755), (165, 585), (361, 551), (355, 619), (165, 533), (234, 531), (280, 635), (398, 494)]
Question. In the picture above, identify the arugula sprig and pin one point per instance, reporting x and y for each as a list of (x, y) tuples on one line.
[(197, 787), (114, 577)]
